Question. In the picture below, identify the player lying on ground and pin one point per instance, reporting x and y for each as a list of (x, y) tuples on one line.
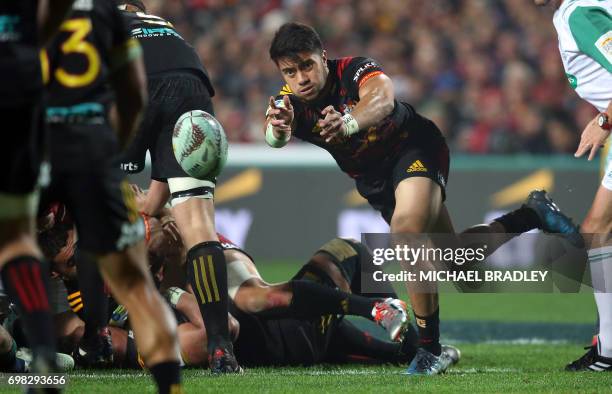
[(299, 298)]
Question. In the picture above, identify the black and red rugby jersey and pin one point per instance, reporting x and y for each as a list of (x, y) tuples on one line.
[(369, 150)]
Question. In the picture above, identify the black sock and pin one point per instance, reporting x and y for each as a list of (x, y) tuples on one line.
[(25, 280), (95, 301), (207, 274), (167, 376), (519, 221), (313, 299), (428, 328), (348, 340)]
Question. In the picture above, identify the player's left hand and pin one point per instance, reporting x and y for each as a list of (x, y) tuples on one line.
[(593, 137), (332, 126)]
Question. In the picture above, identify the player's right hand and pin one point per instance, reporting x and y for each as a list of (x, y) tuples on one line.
[(593, 137), (281, 116)]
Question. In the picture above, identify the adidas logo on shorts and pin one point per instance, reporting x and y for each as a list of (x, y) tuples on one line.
[(417, 166)]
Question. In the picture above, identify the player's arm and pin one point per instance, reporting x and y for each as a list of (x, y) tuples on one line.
[(591, 28), (153, 202), (50, 18), (376, 102), (128, 80), (278, 126)]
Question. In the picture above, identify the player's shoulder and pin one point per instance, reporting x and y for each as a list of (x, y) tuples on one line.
[(145, 19), (572, 10), (355, 70)]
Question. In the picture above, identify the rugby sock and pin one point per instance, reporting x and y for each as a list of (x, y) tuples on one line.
[(25, 280), (351, 340), (519, 221), (428, 328), (313, 299), (93, 296), (600, 260), (207, 274), (167, 376)]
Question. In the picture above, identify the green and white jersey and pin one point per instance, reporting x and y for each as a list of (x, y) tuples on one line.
[(584, 28)]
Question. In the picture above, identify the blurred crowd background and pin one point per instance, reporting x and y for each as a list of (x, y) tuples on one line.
[(488, 72)]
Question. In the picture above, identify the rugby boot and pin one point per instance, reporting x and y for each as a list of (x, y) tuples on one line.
[(96, 352), (552, 220), (452, 352), (222, 360), (590, 361), (426, 363), (391, 315)]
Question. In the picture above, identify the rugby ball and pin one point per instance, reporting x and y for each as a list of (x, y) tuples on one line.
[(199, 144)]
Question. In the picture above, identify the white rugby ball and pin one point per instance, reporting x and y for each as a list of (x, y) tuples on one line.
[(199, 144)]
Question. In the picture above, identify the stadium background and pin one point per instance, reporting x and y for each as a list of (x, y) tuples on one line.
[(489, 74)]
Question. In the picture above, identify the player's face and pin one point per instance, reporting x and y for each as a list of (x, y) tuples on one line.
[(541, 2), (306, 75)]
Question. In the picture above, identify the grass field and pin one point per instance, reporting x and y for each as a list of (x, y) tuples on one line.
[(510, 343)]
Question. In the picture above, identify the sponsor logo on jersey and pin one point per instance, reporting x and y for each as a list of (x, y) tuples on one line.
[(417, 166), (361, 69), (85, 113), (145, 32), (573, 81), (604, 45), (130, 166)]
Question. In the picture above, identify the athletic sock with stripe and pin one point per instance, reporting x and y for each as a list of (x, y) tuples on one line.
[(207, 274), (25, 280), (600, 260)]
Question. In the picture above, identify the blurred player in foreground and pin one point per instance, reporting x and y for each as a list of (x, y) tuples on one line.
[(93, 51), (26, 26), (584, 28), (178, 83), (398, 158)]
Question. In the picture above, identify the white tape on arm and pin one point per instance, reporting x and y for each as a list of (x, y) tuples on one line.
[(273, 141), (352, 126)]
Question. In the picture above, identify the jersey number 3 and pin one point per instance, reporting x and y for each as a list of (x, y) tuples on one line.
[(77, 44)]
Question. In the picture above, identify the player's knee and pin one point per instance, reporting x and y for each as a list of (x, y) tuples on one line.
[(407, 223)]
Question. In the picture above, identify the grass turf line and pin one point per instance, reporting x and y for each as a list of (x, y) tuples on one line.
[(484, 368)]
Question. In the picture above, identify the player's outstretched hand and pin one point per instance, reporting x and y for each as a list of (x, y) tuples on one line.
[(282, 115), (593, 137), (332, 125)]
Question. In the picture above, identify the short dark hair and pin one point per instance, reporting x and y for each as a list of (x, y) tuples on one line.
[(136, 3), (293, 38)]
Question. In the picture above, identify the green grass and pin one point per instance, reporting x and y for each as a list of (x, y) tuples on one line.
[(484, 368)]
